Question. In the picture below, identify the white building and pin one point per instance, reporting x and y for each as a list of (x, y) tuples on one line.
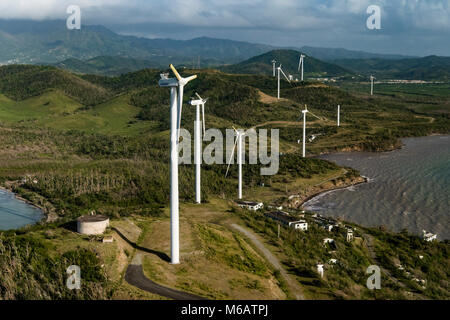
[(249, 205), (302, 225), (429, 236), (332, 261), (328, 240), (288, 220)]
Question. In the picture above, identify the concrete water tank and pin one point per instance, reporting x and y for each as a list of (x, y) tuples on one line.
[(92, 225)]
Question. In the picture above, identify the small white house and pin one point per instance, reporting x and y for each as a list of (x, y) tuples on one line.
[(288, 220), (301, 224), (429, 236), (249, 205)]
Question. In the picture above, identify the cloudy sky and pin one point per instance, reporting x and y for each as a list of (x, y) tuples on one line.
[(411, 27)]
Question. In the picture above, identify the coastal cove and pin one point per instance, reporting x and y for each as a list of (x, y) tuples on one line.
[(406, 189), (16, 213)]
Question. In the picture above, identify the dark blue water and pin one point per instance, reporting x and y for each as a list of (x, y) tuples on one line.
[(15, 213), (408, 188)]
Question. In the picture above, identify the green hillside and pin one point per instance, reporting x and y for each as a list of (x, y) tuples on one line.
[(289, 59), (105, 65), (22, 81)]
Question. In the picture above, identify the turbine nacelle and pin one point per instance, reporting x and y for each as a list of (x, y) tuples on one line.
[(165, 81), (182, 81)]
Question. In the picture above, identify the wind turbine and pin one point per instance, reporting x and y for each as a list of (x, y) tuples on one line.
[(339, 116), (304, 112), (198, 143), (176, 104), (371, 85), (301, 64), (238, 143), (279, 77), (273, 66)]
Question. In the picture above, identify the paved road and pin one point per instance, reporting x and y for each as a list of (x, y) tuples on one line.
[(291, 281), (135, 276)]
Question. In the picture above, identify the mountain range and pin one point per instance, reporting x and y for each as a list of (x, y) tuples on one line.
[(98, 50), (27, 41)]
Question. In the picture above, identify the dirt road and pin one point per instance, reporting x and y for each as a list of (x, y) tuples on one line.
[(291, 281)]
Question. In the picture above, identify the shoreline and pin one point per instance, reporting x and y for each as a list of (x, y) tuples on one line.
[(317, 194), (20, 198)]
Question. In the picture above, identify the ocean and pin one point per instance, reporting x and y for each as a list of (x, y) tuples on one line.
[(15, 213), (408, 188)]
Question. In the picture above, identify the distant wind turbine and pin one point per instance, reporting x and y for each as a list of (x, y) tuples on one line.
[(176, 104), (200, 102), (280, 71), (339, 116), (371, 85), (239, 145), (304, 112), (301, 65), (273, 66)]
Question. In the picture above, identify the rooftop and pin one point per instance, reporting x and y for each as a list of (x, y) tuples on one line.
[(284, 216), (92, 218)]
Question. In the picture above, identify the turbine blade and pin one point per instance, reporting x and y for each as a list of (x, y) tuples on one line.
[(175, 72), (203, 118), (186, 80), (315, 115), (285, 75), (232, 155), (198, 96), (180, 108)]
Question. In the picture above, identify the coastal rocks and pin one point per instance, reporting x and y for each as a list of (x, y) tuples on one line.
[(297, 200)]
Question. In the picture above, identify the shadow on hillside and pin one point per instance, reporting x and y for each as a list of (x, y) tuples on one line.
[(71, 226), (159, 254)]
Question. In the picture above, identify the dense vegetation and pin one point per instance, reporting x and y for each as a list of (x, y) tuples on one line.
[(30, 270)]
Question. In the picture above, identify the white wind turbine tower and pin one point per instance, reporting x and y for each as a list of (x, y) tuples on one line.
[(301, 65), (238, 143), (371, 85), (176, 104), (280, 71), (304, 112), (339, 116), (273, 66), (200, 102)]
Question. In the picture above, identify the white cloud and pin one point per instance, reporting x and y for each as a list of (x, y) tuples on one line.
[(272, 14)]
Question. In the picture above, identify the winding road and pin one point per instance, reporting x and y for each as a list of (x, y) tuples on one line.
[(291, 281), (135, 276)]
